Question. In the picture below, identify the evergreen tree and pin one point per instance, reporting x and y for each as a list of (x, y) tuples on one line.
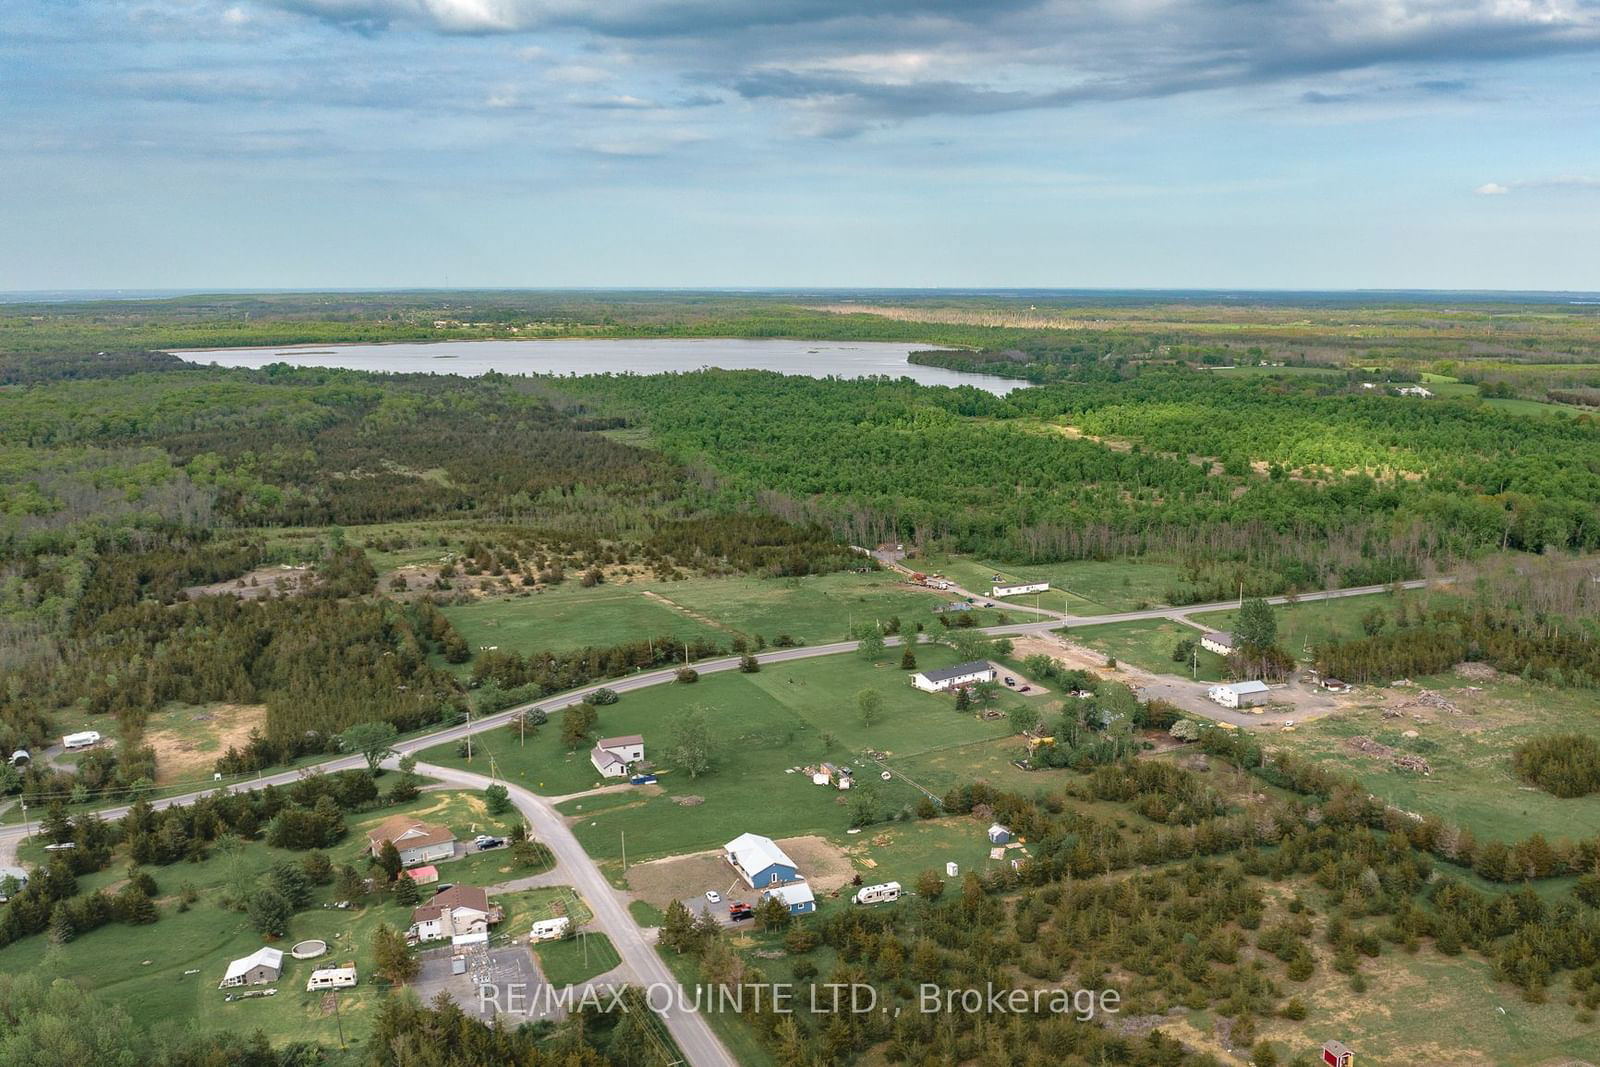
[(268, 912), (391, 957), (407, 892)]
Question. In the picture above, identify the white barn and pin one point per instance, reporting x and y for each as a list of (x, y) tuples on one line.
[(1240, 694), (945, 678)]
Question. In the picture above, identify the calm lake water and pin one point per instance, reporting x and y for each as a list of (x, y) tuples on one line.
[(818, 359)]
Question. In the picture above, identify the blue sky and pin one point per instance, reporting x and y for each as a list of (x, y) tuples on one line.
[(1184, 143)]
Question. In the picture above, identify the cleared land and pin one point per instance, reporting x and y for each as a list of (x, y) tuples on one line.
[(188, 740), (1149, 643), (1083, 587)]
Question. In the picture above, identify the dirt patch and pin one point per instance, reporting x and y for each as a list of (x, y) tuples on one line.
[(187, 754), (688, 613), (660, 882), (278, 580), (1480, 672)]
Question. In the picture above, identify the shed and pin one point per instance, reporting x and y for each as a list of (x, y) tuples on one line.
[(999, 835), (422, 875), (797, 897), (1337, 1054)]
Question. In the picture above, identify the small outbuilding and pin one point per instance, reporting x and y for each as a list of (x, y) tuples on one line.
[(1337, 1054), (1241, 694), (797, 897), (999, 835), (20, 756), (947, 678), (260, 967)]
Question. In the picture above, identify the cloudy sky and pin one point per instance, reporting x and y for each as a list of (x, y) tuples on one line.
[(1195, 143)]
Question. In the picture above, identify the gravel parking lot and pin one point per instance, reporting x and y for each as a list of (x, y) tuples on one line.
[(497, 980)]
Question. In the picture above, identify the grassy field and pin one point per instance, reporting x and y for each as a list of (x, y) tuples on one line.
[(763, 725), (1469, 755), (576, 959), (1148, 643), (1088, 587), (1308, 624), (810, 610)]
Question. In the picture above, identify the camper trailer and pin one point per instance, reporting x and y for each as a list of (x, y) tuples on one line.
[(85, 739), (551, 929), (878, 894)]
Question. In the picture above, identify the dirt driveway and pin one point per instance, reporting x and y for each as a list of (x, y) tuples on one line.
[(660, 882)]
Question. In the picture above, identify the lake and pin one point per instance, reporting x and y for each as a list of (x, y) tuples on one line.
[(818, 359)]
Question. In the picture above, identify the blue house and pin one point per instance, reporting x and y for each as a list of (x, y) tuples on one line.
[(759, 861), (798, 898)]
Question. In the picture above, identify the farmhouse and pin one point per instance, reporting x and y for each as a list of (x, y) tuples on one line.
[(261, 966), (612, 755), (84, 739), (1241, 694), (946, 678), (332, 978), (759, 861), (797, 897), (1218, 641), (459, 911), (417, 842), (1018, 590)]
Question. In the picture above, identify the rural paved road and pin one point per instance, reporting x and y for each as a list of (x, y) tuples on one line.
[(688, 1028), (550, 826)]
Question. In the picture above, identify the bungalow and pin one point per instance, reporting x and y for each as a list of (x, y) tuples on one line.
[(797, 897), (332, 978), (947, 678), (261, 966), (611, 756), (417, 842), (1218, 641), (458, 911), (999, 835), (759, 861), (1241, 694)]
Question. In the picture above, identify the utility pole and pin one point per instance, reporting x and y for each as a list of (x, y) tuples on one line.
[(469, 732), (624, 851), (339, 1019)]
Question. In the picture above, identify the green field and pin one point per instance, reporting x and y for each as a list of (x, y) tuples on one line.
[(1304, 626), (1086, 587), (1471, 782), (576, 959), (763, 725), (811, 610), (1148, 643)]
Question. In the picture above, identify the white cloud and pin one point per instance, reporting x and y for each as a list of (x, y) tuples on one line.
[(1491, 189), (1560, 181)]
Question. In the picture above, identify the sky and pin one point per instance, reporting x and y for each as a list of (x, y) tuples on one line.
[(920, 143)]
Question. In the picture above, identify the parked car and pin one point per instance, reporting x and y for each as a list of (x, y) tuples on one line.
[(485, 842), (739, 911), (713, 896), (1011, 681), (642, 779)]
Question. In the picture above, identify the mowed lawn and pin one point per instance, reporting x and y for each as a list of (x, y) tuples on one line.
[(764, 725), (1471, 782), (576, 959), (1148, 643), (810, 610)]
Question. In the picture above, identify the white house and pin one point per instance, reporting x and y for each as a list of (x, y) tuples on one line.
[(946, 678), (1415, 390), (459, 910), (875, 894), (612, 756), (1240, 694), (1218, 641), (331, 978), (759, 861), (551, 929), (1018, 590), (84, 739), (261, 966)]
